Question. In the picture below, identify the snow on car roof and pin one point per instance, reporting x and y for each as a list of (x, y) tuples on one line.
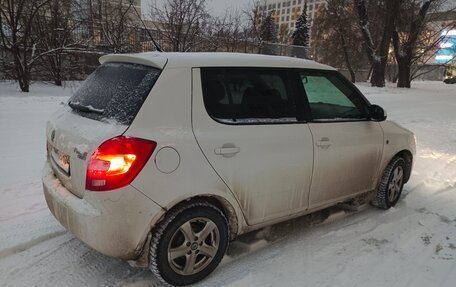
[(213, 59)]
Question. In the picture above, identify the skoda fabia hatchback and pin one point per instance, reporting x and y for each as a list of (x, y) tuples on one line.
[(162, 158)]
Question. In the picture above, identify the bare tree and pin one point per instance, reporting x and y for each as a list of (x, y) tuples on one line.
[(179, 22), (16, 33), (411, 37), (378, 54), (254, 17), (55, 29), (225, 33), (115, 25), (427, 49), (339, 45), (337, 11)]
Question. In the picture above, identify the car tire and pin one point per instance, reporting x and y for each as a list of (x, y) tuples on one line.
[(391, 184), (175, 257)]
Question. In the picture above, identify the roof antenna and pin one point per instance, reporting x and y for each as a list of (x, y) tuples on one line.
[(157, 47)]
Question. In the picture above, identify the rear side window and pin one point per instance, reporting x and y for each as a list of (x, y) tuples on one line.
[(248, 95), (330, 98), (114, 92)]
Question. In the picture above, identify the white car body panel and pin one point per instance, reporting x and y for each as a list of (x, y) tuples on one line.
[(77, 137), (152, 59), (346, 160), (271, 174), (396, 139), (193, 176), (196, 60)]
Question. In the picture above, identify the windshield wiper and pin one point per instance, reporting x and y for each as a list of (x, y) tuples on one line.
[(86, 109)]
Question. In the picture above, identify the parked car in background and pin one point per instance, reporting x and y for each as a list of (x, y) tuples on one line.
[(163, 158), (450, 80)]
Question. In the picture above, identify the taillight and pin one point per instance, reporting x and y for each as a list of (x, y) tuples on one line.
[(117, 162)]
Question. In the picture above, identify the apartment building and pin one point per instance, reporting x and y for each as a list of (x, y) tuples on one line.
[(444, 26), (286, 12), (93, 8), (97, 19)]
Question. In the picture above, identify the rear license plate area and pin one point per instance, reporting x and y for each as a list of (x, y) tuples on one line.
[(61, 160)]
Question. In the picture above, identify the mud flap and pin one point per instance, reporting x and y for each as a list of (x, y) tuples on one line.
[(143, 260)]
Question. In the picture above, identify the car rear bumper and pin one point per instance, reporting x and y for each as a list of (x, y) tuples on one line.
[(115, 223)]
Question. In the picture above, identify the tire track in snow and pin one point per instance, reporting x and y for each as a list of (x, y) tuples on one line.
[(63, 261), (26, 245)]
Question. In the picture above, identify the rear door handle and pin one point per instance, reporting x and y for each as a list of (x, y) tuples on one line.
[(323, 143), (227, 151)]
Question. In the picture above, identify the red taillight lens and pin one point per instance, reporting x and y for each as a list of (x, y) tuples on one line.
[(117, 162)]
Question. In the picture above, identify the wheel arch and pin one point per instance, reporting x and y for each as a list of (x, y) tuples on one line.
[(218, 201), (408, 158), (227, 209)]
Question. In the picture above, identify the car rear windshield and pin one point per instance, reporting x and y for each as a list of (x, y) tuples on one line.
[(114, 92)]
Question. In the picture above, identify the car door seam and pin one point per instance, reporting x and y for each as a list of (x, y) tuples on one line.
[(201, 149), (313, 167)]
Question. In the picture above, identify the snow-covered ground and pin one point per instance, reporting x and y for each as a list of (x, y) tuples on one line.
[(413, 244)]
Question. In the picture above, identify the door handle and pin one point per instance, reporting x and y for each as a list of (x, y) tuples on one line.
[(323, 143), (227, 150)]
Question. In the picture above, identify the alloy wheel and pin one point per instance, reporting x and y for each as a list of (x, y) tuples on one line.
[(395, 185), (193, 246)]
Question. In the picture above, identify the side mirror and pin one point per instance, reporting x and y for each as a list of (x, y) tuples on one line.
[(377, 113)]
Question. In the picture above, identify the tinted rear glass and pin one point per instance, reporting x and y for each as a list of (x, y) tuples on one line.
[(248, 95), (114, 92)]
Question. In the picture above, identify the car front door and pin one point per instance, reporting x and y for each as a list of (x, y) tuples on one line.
[(348, 146), (245, 121)]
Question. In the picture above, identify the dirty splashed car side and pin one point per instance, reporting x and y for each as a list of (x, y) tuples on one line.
[(162, 158)]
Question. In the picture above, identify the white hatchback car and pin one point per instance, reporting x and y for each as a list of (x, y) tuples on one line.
[(163, 158)]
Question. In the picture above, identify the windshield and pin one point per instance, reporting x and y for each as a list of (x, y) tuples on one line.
[(115, 91)]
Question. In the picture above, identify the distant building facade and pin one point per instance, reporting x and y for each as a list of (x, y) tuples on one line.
[(286, 12), (445, 24), (91, 14)]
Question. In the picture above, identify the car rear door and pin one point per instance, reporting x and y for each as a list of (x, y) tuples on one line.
[(245, 121), (348, 146)]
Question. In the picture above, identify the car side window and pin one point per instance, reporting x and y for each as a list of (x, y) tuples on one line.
[(330, 98), (248, 95)]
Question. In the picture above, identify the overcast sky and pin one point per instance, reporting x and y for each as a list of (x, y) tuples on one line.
[(215, 7)]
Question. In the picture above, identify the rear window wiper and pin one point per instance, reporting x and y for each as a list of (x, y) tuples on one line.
[(86, 109)]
